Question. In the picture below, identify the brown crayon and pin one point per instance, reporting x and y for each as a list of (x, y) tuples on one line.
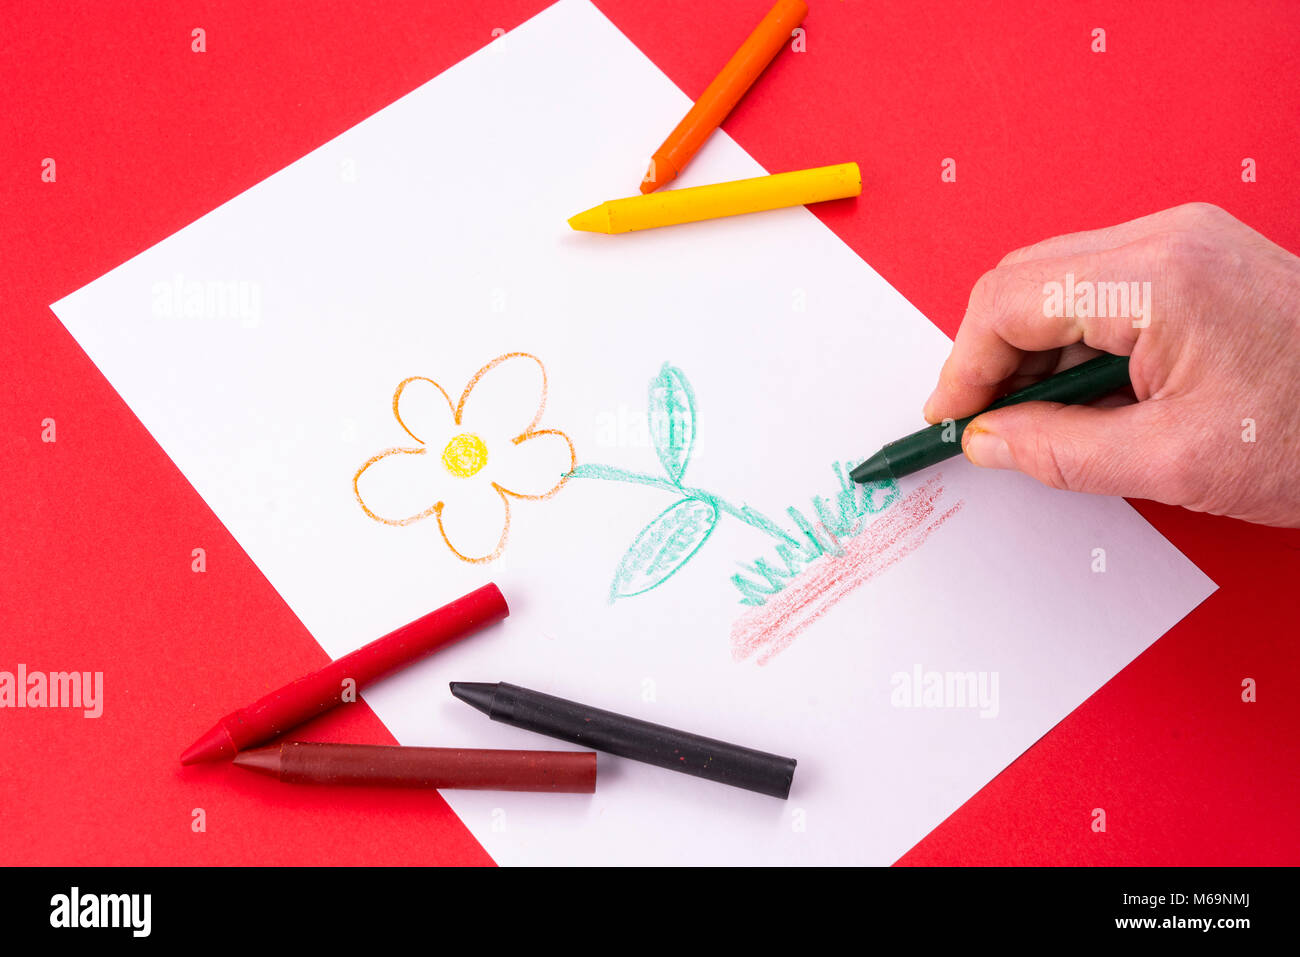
[(371, 765)]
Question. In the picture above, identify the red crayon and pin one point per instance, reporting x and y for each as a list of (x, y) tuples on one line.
[(375, 765), (321, 690)]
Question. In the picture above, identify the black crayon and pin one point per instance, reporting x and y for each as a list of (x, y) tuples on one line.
[(631, 737)]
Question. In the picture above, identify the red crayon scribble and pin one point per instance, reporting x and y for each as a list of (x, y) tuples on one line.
[(768, 629)]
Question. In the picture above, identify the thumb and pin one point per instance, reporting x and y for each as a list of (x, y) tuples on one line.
[(1105, 451)]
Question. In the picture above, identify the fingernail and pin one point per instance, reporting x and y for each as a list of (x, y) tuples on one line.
[(987, 450)]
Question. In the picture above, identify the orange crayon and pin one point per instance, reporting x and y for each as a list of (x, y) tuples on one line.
[(724, 92)]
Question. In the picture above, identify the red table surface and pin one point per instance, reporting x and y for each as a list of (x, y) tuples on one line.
[(1048, 136)]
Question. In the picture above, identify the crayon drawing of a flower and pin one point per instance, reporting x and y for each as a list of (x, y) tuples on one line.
[(472, 458)]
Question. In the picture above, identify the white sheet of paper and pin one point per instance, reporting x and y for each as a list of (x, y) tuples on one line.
[(430, 239)]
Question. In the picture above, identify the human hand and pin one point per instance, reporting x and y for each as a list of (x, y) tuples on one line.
[(1215, 364)]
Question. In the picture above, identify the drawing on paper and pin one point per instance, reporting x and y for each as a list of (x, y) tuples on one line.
[(767, 629), (829, 551), (472, 459), (672, 537)]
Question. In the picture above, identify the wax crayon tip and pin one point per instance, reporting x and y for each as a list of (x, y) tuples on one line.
[(660, 172), (213, 746), (874, 469), (478, 694), (262, 760), (594, 220)]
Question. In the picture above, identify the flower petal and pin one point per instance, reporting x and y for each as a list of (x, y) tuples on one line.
[(399, 486), (505, 398), (535, 466), (474, 520), (424, 410)]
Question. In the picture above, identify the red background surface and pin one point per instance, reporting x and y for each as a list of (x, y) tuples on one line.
[(1049, 137)]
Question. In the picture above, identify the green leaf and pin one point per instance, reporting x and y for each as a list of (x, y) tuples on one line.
[(672, 420), (664, 546)]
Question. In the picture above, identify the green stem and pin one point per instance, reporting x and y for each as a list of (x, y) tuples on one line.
[(750, 517)]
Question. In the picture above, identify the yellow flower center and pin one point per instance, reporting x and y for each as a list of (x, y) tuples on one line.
[(464, 455)]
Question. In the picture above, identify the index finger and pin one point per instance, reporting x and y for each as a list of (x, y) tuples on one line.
[(1029, 307)]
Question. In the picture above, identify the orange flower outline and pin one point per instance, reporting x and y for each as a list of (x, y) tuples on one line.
[(457, 412)]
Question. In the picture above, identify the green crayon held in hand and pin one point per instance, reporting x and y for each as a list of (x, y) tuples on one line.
[(1083, 383)]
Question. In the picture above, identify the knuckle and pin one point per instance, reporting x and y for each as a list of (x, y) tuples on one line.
[(1049, 460), (1002, 293), (1181, 262), (1174, 475), (1175, 481), (1017, 256), (973, 372), (983, 295), (1186, 476), (1200, 214)]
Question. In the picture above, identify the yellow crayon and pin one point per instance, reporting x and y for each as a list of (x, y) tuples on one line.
[(674, 206)]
